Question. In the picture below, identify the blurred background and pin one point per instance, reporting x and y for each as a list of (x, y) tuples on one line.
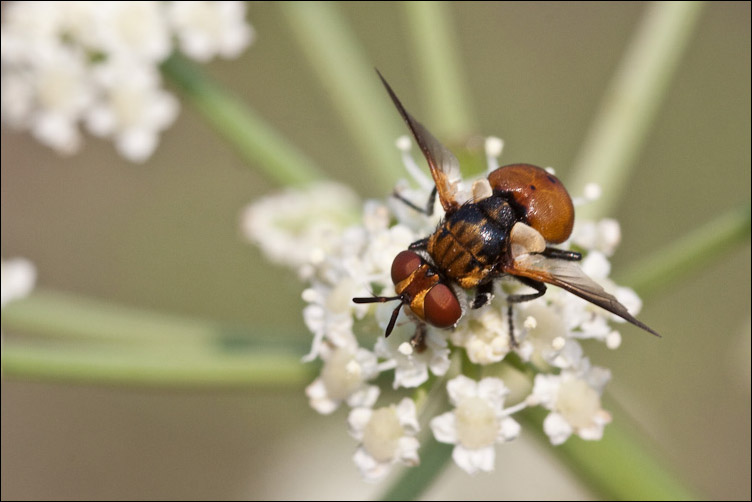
[(165, 236)]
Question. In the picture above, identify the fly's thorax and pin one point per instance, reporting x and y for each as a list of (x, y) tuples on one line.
[(468, 244)]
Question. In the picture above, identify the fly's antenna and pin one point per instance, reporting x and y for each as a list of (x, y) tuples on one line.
[(384, 299)]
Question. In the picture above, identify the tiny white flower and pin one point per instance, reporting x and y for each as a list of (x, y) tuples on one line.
[(383, 246), (411, 368), (484, 333), (591, 192), (28, 27), (387, 436), (477, 423), (586, 320), (134, 107), (61, 91), (546, 336), (628, 298), (613, 340), (603, 235), (208, 29), (574, 398), (493, 147), (137, 30), (596, 265), (344, 378), (328, 315), (295, 225), (18, 278)]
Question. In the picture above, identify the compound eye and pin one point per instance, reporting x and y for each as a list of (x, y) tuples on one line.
[(405, 264), (441, 307)]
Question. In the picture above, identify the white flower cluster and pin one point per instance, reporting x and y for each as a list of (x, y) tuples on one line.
[(97, 63), (355, 261)]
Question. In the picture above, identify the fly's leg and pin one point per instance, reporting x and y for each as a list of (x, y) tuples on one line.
[(418, 341), (561, 254), (428, 210), (512, 338), (421, 244), (539, 288), (483, 295)]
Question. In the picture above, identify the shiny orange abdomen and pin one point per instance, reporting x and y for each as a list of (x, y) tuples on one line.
[(541, 196)]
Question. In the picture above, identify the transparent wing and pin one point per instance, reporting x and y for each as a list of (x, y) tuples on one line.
[(445, 168), (569, 276)]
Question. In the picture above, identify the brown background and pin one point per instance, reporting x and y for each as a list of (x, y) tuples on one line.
[(164, 236)]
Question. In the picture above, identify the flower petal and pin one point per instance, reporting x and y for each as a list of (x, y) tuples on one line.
[(444, 428), (461, 387), (509, 429), (357, 421), (369, 468), (472, 461), (556, 428)]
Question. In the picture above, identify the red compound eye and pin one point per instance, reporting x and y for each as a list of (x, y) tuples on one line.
[(442, 309), (405, 264)]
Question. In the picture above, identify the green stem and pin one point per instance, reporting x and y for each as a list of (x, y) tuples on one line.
[(618, 467), (257, 142), (90, 341), (439, 68), (630, 104), (160, 367), (341, 64), (60, 315), (688, 254)]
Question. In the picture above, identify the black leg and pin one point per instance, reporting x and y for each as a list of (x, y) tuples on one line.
[(561, 254), (512, 338), (421, 244), (418, 341), (428, 210), (483, 295), (538, 286)]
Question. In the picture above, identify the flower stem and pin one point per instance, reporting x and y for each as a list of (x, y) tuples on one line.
[(341, 64), (630, 104), (439, 68), (90, 341), (66, 316), (257, 142), (688, 254), (153, 367), (618, 467)]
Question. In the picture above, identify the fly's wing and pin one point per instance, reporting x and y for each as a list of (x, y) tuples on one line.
[(569, 276), (445, 168)]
